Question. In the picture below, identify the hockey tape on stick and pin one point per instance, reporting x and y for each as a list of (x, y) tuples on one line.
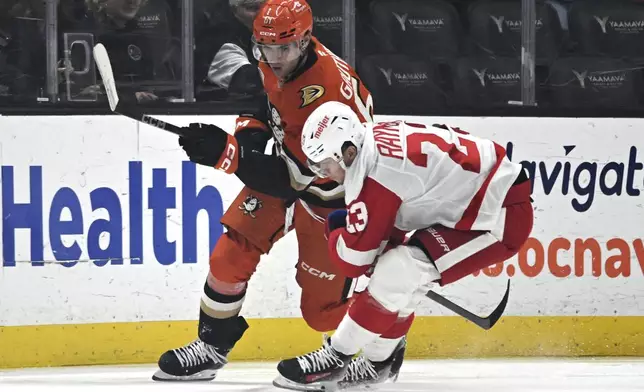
[(107, 75), (483, 322)]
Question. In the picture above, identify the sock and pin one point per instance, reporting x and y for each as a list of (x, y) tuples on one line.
[(381, 348), (222, 300), (366, 320)]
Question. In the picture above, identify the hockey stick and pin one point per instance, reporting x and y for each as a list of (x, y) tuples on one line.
[(105, 69), (483, 322)]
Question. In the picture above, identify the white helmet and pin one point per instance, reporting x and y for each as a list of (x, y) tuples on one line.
[(327, 129)]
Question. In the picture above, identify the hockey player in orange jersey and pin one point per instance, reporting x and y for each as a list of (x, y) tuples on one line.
[(280, 193)]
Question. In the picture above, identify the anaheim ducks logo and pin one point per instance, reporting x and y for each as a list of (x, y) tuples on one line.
[(310, 94), (251, 205)]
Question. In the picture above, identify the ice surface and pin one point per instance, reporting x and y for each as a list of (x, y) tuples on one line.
[(521, 375)]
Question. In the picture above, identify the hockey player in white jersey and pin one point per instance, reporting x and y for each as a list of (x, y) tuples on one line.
[(468, 205)]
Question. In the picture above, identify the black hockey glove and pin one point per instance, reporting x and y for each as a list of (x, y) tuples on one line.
[(205, 144)]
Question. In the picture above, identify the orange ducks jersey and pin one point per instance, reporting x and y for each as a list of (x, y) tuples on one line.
[(323, 77)]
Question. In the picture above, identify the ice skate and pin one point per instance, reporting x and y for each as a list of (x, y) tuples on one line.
[(319, 370), (200, 360), (197, 361), (362, 372)]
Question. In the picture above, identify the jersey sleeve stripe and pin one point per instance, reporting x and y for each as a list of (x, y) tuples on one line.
[(357, 258), (472, 211), (339, 255), (450, 259)]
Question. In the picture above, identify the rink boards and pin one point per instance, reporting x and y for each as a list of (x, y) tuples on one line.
[(106, 233)]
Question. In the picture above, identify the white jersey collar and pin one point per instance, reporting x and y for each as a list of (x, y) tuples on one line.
[(361, 167)]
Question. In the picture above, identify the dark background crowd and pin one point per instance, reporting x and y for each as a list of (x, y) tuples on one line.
[(414, 55)]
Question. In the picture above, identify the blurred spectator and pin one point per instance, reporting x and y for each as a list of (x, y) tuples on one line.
[(224, 64), (22, 50), (138, 37)]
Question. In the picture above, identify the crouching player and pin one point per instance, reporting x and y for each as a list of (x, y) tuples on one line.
[(468, 204)]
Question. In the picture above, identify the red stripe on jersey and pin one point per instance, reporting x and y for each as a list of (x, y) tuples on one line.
[(348, 269), (415, 125), (472, 210), (378, 206), (370, 221)]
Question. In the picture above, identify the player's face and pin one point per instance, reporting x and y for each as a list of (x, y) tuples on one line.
[(328, 168), (282, 59), (337, 174), (283, 69)]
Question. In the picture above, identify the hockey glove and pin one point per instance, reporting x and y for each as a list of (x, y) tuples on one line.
[(210, 145), (335, 220)]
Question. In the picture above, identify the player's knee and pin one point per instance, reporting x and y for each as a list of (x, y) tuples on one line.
[(320, 312), (522, 221), (318, 319), (398, 274), (512, 249), (233, 259), (391, 284), (515, 243)]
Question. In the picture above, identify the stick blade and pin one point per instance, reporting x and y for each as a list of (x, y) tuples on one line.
[(105, 69), (498, 312), (483, 322)]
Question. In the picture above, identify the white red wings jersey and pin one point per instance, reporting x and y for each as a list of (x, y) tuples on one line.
[(410, 176)]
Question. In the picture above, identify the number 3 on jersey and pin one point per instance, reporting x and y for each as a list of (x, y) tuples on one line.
[(357, 217), (470, 160)]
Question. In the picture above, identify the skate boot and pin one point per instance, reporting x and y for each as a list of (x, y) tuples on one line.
[(362, 372), (201, 359), (319, 370)]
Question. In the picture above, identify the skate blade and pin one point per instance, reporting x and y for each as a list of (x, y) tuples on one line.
[(204, 375), (285, 383), (367, 385)]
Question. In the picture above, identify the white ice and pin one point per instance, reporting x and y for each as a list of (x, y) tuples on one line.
[(529, 375)]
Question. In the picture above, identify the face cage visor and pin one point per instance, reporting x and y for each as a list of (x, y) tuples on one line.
[(323, 168), (276, 53)]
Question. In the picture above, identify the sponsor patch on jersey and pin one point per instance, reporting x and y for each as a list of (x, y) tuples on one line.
[(310, 94)]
